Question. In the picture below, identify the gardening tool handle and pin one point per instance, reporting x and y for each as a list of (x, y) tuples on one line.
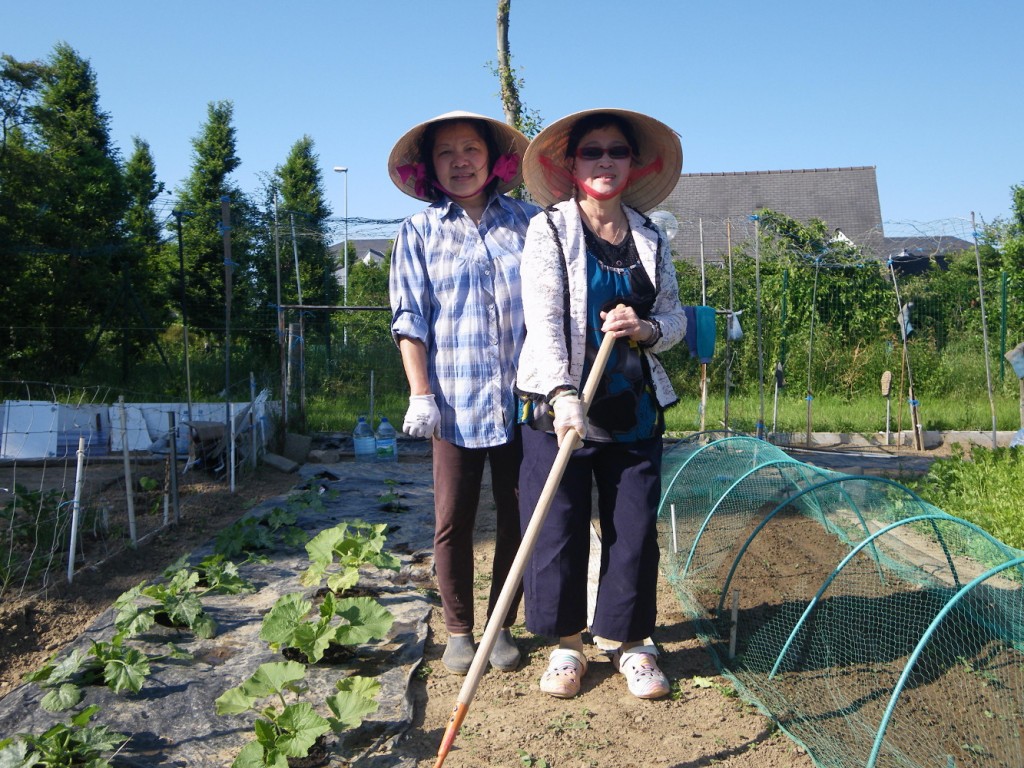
[(515, 574)]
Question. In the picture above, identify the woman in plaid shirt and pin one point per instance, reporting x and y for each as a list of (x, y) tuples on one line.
[(458, 322)]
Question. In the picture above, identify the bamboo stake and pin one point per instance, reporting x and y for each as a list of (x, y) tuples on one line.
[(733, 624), (515, 575)]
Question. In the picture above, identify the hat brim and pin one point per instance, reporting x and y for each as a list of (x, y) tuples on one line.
[(655, 139), (407, 150)]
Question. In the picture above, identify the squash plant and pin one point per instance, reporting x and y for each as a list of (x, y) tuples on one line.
[(252, 534), (72, 743), (290, 729), (175, 601), (111, 663), (178, 601), (337, 553), (217, 575), (347, 621), (391, 499)]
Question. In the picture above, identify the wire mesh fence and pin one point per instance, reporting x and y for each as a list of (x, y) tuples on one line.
[(875, 628)]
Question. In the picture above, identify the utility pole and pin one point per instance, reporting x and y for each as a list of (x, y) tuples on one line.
[(282, 337), (225, 231), (184, 312)]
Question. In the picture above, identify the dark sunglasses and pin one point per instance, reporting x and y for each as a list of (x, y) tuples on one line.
[(618, 152)]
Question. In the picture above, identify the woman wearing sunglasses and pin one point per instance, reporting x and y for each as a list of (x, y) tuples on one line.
[(593, 264), (458, 322)]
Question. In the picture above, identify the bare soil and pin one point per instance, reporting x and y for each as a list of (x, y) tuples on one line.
[(510, 723), (41, 621)]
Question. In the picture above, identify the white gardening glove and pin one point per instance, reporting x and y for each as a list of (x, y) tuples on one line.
[(422, 419), (569, 419)]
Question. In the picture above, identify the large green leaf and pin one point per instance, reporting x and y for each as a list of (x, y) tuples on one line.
[(274, 677), (62, 698), (280, 622), (312, 638), (127, 673), (301, 728), (253, 755), (356, 698), (14, 754), (367, 620), (271, 678)]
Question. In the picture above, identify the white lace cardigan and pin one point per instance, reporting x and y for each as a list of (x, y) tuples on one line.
[(543, 362)]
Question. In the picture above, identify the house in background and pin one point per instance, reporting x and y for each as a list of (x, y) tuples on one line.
[(372, 253), (846, 199)]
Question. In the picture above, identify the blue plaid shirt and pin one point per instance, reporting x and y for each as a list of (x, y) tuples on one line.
[(455, 286)]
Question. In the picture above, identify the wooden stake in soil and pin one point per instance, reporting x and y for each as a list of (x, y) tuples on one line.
[(735, 621), (515, 575)]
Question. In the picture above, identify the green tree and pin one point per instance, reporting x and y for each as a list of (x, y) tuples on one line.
[(306, 212), (202, 193), (21, 204), (368, 287), (19, 92), (1013, 263), (141, 224), (79, 205), (151, 272)]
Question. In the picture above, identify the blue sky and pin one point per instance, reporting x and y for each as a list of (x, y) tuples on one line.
[(928, 92)]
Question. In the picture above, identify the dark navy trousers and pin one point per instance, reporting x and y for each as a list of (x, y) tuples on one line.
[(627, 477)]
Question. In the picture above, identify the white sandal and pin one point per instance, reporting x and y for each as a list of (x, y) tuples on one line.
[(643, 677), (564, 674)]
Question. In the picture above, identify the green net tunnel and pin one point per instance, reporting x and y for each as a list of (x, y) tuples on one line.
[(876, 629)]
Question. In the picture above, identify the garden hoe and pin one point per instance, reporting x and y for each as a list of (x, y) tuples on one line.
[(515, 575)]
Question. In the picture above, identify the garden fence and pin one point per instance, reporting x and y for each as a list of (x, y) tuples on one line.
[(82, 481)]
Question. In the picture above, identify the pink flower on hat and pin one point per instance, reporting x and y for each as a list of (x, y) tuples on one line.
[(415, 172), (506, 167)]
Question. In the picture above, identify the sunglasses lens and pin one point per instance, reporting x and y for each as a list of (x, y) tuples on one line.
[(618, 152)]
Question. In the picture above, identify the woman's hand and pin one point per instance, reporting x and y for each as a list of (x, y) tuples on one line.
[(623, 322), (423, 418), (568, 419)]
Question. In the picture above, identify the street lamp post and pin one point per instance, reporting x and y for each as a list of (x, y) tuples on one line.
[(344, 169)]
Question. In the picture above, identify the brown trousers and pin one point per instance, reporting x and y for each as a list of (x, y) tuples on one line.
[(458, 475)]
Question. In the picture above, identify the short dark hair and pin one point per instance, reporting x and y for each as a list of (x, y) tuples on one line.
[(429, 137), (596, 120)]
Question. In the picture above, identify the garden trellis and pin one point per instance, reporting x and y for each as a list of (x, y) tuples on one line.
[(875, 628)]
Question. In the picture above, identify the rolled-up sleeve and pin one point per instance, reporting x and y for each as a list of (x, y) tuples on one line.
[(410, 297)]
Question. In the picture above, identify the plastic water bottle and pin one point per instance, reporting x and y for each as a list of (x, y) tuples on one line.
[(364, 442), (387, 441)]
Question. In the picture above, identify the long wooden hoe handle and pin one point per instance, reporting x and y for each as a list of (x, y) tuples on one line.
[(515, 575)]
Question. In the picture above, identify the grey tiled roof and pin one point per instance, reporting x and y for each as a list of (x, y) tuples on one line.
[(844, 198), (361, 246)]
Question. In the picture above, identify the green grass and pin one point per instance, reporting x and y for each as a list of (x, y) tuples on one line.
[(829, 413), (985, 490), (864, 415)]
